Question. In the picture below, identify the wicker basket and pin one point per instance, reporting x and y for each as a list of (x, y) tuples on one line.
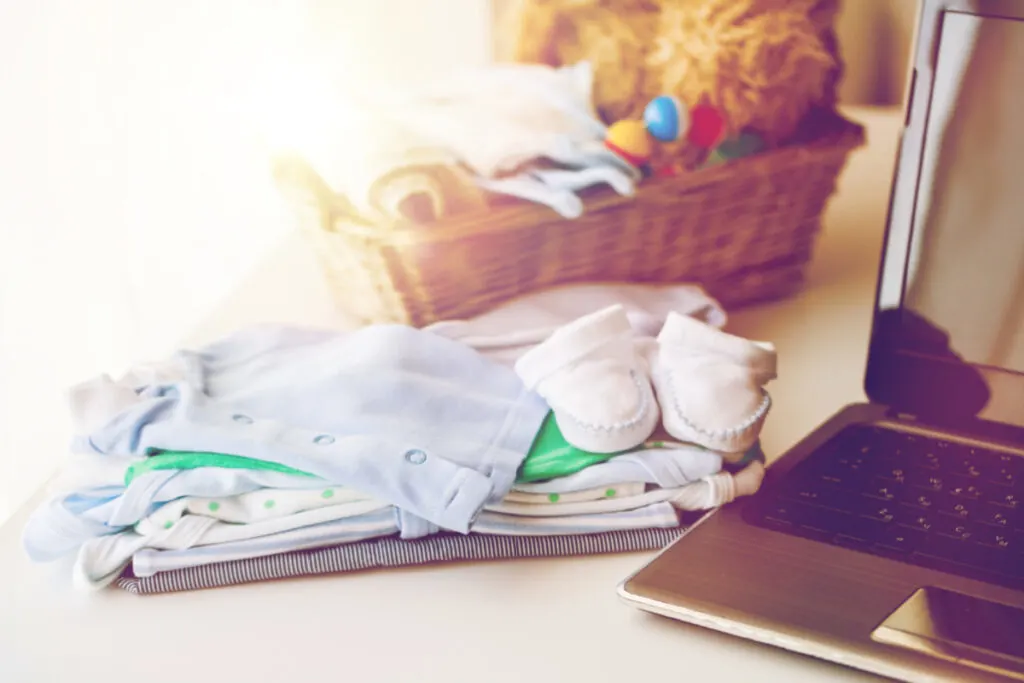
[(744, 230)]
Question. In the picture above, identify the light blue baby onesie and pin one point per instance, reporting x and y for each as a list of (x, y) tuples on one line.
[(403, 415)]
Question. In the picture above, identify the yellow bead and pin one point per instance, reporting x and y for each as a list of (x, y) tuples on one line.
[(630, 137)]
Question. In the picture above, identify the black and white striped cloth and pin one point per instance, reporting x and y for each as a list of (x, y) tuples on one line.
[(394, 552)]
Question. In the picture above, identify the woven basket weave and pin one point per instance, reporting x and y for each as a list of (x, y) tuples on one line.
[(744, 230)]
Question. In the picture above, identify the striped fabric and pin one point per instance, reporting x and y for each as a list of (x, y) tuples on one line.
[(394, 552)]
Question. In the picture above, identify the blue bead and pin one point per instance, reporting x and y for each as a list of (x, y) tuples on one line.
[(665, 118)]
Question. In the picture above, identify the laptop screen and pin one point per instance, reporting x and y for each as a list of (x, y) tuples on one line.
[(949, 329), (966, 266)]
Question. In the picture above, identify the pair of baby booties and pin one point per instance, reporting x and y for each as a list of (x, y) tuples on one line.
[(608, 389)]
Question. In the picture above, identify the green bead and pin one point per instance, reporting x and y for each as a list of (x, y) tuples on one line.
[(744, 145)]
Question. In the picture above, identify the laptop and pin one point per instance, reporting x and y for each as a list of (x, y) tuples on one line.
[(891, 539)]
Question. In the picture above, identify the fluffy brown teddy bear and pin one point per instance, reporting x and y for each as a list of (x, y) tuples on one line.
[(763, 63), (613, 35)]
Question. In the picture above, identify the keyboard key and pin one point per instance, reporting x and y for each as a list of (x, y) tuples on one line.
[(926, 479), (959, 508), (914, 517), (895, 473), (854, 526), (951, 528), (1007, 477), (926, 459), (921, 499), (901, 538), (1008, 500), (824, 494), (1003, 469), (997, 516), (966, 465), (964, 491), (882, 489), (996, 538), (882, 513)]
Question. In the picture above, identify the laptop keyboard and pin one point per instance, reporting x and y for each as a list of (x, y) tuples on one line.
[(923, 501)]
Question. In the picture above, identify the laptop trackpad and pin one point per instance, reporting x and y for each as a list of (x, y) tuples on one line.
[(959, 628)]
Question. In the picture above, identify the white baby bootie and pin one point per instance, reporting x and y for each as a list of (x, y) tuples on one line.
[(710, 384), (595, 383)]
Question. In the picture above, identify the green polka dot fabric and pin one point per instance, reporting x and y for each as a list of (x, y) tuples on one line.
[(618, 491)]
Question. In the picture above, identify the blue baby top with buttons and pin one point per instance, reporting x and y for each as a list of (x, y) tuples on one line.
[(401, 414)]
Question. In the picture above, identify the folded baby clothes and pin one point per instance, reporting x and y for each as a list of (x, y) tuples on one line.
[(496, 118), (392, 552), (192, 531), (525, 130), (511, 534), (89, 497), (147, 561), (376, 409), (279, 519), (278, 440), (595, 382), (710, 384)]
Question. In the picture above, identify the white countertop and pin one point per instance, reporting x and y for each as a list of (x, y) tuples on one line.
[(552, 619)]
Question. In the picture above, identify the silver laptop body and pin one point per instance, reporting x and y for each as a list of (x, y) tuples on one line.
[(891, 539)]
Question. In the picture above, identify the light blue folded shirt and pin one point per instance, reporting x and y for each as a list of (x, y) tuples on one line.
[(403, 415)]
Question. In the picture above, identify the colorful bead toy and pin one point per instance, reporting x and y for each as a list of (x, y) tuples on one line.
[(667, 119), (707, 126), (631, 141), (744, 145)]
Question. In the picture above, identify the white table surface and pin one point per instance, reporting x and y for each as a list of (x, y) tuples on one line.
[(546, 620)]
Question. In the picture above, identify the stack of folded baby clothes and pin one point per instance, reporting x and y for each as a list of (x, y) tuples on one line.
[(281, 452)]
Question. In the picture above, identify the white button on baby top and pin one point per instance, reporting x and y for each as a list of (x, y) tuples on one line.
[(242, 419), (324, 440), (416, 457)]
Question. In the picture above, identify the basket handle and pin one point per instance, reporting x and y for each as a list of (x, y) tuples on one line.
[(300, 181)]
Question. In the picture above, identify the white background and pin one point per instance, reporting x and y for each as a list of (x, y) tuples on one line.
[(134, 187)]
